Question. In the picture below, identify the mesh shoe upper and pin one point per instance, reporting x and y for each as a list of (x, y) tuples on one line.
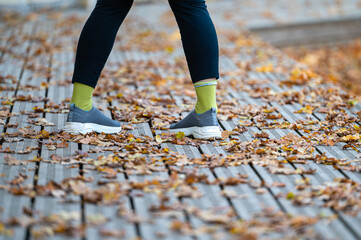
[(193, 119), (92, 116)]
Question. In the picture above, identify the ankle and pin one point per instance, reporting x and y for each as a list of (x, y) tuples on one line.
[(82, 96), (206, 95), (200, 110)]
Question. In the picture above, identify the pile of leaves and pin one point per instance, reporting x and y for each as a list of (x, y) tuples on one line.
[(339, 64)]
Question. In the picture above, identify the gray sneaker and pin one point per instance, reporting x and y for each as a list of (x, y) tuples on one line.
[(201, 126), (80, 121)]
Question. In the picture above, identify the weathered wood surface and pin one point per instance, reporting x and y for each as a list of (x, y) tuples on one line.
[(150, 75)]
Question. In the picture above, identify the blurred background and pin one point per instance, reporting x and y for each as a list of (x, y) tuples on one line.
[(32, 5), (325, 34)]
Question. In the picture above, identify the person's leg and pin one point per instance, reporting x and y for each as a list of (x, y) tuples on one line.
[(95, 44), (200, 46)]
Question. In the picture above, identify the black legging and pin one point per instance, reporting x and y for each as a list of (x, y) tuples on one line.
[(96, 41)]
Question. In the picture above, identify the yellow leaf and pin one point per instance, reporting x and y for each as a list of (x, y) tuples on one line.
[(159, 139), (290, 195), (169, 49), (266, 68), (180, 135)]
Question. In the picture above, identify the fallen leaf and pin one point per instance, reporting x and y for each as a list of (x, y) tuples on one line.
[(10, 160)]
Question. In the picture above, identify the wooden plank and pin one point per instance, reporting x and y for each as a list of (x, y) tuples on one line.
[(13, 65), (244, 97), (211, 194), (277, 133), (289, 116), (55, 172), (249, 202), (15, 209), (326, 173), (226, 64), (143, 203), (348, 113), (61, 66), (18, 42), (323, 172), (287, 111), (5, 38), (58, 172), (334, 229), (335, 152), (115, 222), (246, 207), (12, 205), (138, 202), (158, 225), (290, 181)]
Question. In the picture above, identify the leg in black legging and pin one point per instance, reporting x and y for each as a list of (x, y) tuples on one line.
[(95, 44), (97, 39), (199, 38)]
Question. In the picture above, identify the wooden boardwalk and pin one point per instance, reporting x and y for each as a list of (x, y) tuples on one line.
[(288, 166)]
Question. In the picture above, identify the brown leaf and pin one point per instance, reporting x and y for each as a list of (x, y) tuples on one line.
[(292, 137), (261, 135), (278, 184), (274, 116), (10, 160), (19, 179), (225, 134), (6, 150), (62, 144), (110, 172), (112, 233)]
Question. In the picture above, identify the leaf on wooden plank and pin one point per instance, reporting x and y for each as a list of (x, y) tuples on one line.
[(180, 135), (225, 134), (292, 137), (27, 150), (6, 150), (232, 194), (19, 179), (13, 139), (261, 135), (159, 139), (274, 116), (112, 233), (51, 147), (278, 184), (62, 144), (10, 160), (41, 122)]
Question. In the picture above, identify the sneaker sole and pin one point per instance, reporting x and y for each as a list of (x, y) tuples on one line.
[(83, 128), (200, 132)]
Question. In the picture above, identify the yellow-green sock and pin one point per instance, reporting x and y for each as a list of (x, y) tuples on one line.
[(206, 96), (82, 96)]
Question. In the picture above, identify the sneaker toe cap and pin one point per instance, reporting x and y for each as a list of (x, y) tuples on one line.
[(116, 123)]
